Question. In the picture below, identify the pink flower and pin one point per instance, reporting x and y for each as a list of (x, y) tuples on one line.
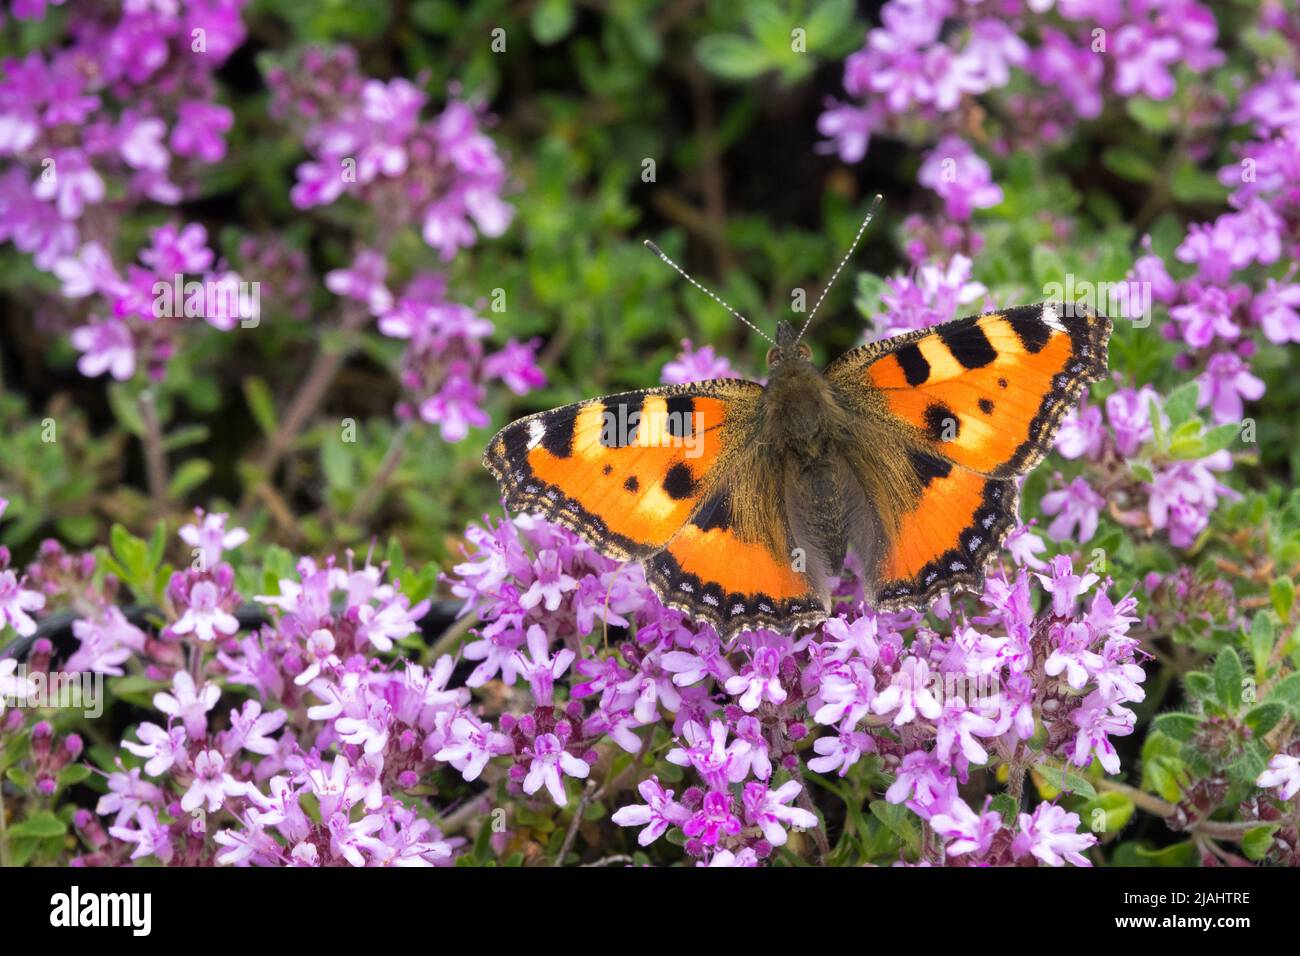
[(960, 177), (714, 819), (1051, 834), (205, 618), (548, 762), (363, 281), (471, 744), (1277, 310), (759, 681), (1284, 773), (211, 539), (189, 704), (73, 185), (540, 668), (200, 129), (106, 643), (1226, 381), (1076, 508), (1081, 432), (966, 830), (696, 365), (107, 346), (151, 838), (769, 809), (175, 251), (657, 814), (1142, 60), (16, 601), (909, 694), (212, 784), (163, 749)]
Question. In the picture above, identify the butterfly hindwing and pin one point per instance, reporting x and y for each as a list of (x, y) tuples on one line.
[(978, 401), (625, 471), (710, 572), (958, 522)]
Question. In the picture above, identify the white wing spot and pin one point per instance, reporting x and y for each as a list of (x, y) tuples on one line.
[(1051, 321), (536, 431)]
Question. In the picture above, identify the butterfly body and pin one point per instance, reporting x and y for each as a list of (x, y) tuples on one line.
[(744, 500)]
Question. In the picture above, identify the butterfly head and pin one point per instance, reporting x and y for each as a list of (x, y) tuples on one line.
[(788, 347)]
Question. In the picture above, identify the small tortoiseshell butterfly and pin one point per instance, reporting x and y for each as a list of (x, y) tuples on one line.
[(743, 499)]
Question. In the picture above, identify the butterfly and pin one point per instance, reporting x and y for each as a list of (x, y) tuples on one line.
[(742, 500)]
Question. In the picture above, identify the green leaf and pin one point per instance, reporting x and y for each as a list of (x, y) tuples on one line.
[(1130, 164), (1180, 404), (1286, 691), (1263, 638), (1228, 677), (1264, 718), (1116, 811), (1194, 185), (157, 544), (125, 409), (189, 476), (41, 825), (731, 57), (1155, 115), (73, 774), (551, 21), (1005, 806), (1220, 437), (870, 288), (1180, 854), (827, 21), (900, 821), (1282, 593), (1257, 841), (1200, 685), (1177, 725), (1065, 779), (258, 395)]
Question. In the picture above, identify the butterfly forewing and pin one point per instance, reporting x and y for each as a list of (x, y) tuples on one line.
[(979, 401)]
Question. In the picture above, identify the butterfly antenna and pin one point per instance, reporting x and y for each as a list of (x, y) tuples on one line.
[(689, 278), (875, 203)]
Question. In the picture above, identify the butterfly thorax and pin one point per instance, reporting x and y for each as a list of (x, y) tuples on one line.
[(801, 417)]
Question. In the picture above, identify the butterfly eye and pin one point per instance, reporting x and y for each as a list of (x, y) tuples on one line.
[(771, 357), (804, 351)]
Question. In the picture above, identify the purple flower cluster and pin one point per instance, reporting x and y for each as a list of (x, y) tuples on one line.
[(368, 140), (125, 107), (1180, 493), (312, 759), (921, 72), (445, 364), (929, 705), (17, 600), (136, 320)]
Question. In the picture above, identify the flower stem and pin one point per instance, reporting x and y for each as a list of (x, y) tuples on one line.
[(319, 377), (393, 458), (4, 831), (578, 812), (155, 456)]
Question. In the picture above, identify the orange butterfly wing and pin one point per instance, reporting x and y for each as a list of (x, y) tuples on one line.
[(624, 471), (981, 399), (641, 476), (707, 570)]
